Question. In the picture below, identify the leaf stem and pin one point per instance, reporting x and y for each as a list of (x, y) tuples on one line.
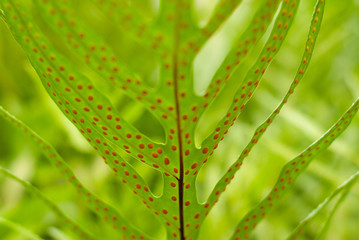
[(178, 121)]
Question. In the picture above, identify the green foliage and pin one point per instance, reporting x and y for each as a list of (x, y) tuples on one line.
[(83, 76), (342, 190), (77, 231)]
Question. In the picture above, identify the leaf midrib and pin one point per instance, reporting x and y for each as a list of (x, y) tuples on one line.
[(176, 37)]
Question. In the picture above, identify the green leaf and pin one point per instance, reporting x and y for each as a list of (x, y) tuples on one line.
[(105, 211), (174, 39), (23, 231), (280, 29), (144, 31), (95, 117), (221, 13), (291, 171), (342, 191), (281, 26), (73, 227), (244, 45), (95, 52), (84, 105), (261, 129)]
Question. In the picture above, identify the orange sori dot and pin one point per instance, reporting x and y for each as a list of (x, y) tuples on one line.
[(194, 165), (205, 150)]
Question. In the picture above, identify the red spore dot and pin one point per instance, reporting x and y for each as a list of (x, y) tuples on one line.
[(194, 166)]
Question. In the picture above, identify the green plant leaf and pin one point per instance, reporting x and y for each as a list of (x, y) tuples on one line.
[(244, 45), (173, 37), (261, 129), (97, 120), (23, 231), (73, 227), (105, 211), (95, 117), (280, 29), (221, 13), (89, 110), (342, 191), (94, 52), (144, 31), (290, 173), (281, 26)]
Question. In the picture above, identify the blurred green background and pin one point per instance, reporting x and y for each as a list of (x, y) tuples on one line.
[(329, 87)]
